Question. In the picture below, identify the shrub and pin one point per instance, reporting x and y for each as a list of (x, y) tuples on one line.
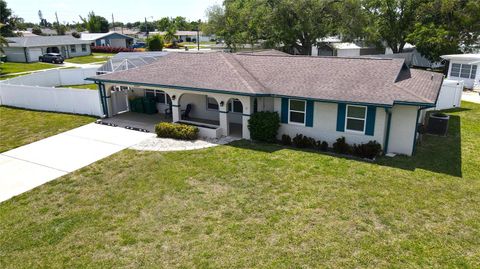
[(322, 145), (286, 140), (155, 43), (301, 141), (176, 130), (264, 126), (341, 146), (369, 150)]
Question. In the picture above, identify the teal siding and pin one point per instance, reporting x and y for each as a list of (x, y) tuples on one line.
[(284, 112), (310, 112), (341, 117), (370, 125)]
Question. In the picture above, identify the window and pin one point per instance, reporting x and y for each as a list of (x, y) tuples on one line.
[(212, 103), (159, 96), (356, 118), (73, 48), (237, 106), (463, 71), (84, 47), (296, 111)]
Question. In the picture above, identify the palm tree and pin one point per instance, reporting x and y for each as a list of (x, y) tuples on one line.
[(170, 34), (3, 41)]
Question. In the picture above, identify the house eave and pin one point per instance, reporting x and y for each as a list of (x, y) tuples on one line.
[(260, 94)]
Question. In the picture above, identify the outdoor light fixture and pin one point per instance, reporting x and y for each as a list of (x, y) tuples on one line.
[(221, 103), (173, 97)]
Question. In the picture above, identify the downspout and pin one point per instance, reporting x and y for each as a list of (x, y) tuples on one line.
[(25, 53), (414, 148), (387, 135)]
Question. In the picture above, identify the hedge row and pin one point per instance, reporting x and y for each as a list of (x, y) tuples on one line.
[(368, 150), (176, 131), (105, 49)]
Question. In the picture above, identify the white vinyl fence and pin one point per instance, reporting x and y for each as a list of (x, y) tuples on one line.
[(37, 91), (450, 94)]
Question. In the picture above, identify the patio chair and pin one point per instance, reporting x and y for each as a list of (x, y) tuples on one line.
[(186, 112)]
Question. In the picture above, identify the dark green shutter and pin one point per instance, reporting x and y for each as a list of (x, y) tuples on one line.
[(309, 117), (370, 126), (341, 117), (284, 112)]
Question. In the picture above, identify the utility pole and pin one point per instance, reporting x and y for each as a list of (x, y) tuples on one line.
[(198, 35), (113, 23), (146, 27), (58, 24)]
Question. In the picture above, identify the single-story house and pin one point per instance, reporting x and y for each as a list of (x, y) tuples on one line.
[(30, 48), (325, 98), (464, 67), (110, 39), (184, 36)]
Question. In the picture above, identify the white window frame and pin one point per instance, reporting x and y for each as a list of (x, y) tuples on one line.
[(232, 107), (462, 66), (84, 47), (354, 118), (212, 109), (298, 111), (155, 95), (73, 48)]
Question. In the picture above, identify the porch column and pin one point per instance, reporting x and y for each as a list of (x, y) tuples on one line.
[(245, 130), (247, 103), (176, 110), (223, 117)]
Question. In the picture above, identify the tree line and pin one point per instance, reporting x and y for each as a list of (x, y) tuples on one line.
[(435, 27)]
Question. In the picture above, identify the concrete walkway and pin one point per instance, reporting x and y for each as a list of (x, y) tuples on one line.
[(32, 165), (471, 96)]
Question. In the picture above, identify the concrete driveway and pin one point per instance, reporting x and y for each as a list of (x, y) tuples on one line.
[(32, 165)]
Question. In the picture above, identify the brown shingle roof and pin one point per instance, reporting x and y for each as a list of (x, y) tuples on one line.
[(359, 80)]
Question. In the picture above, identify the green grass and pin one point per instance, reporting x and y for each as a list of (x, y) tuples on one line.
[(94, 58), (19, 127), (12, 76), (91, 86), (10, 68), (249, 205)]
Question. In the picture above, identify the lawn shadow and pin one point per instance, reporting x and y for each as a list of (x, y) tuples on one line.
[(437, 154)]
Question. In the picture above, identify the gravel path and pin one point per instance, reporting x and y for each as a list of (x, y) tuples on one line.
[(167, 144)]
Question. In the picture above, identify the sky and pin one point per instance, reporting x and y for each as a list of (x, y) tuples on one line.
[(123, 10)]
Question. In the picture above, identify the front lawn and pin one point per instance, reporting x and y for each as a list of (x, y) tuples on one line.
[(93, 58), (248, 205), (10, 68), (91, 86), (19, 127)]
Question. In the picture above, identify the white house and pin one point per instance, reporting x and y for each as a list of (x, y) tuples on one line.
[(464, 67), (110, 39), (183, 36), (361, 99), (30, 48)]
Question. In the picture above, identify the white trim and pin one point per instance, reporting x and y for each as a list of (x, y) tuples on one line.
[(353, 118), (298, 111), (461, 68)]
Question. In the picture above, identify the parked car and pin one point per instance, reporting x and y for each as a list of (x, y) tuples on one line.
[(54, 58), (139, 45)]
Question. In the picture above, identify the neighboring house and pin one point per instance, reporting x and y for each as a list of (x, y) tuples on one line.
[(110, 39), (184, 36), (25, 33), (464, 67), (321, 97), (29, 49), (342, 49)]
